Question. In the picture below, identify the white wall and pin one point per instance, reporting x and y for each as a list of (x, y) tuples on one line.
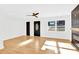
[(10, 29), (13, 18), (61, 34), (52, 34), (13, 28)]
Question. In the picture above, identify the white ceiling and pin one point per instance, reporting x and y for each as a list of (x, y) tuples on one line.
[(18, 11)]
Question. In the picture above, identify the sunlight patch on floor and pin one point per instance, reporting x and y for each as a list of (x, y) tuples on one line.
[(25, 42), (66, 45), (59, 47), (48, 45), (65, 51), (51, 46), (66, 48)]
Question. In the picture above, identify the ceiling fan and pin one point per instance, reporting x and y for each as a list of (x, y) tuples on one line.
[(34, 14)]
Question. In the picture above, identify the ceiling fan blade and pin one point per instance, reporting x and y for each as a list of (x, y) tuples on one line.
[(36, 13), (36, 16)]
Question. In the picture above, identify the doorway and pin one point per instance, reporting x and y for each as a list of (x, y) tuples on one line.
[(28, 28), (36, 28)]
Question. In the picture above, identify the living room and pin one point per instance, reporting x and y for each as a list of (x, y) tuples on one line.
[(54, 24)]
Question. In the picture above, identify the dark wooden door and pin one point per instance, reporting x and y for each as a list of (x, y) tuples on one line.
[(36, 28), (27, 28)]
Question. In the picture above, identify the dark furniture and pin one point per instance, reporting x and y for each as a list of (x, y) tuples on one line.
[(75, 27)]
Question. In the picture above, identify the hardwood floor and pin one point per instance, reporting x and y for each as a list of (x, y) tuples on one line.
[(18, 51), (13, 46), (14, 43)]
